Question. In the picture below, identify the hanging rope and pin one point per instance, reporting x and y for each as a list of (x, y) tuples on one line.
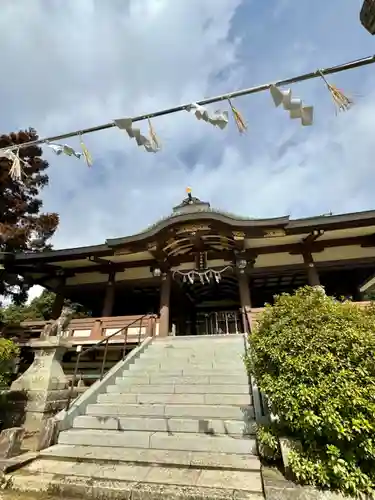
[(252, 90)]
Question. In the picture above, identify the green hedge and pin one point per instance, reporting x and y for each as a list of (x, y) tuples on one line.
[(8, 353), (314, 357)]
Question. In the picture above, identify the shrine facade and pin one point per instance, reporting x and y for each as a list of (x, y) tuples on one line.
[(200, 269)]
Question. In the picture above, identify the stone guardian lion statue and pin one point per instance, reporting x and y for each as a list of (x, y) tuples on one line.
[(59, 325)]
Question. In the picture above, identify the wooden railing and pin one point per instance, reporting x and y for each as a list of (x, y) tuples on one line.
[(91, 330)]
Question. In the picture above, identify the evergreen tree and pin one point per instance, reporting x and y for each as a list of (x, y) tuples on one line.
[(39, 309), (23, 227)]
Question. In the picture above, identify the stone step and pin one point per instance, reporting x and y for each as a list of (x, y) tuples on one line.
[(245, 413), (194, 459), (196, 338), (130, 378), (186, 340), (171, 364), (208, 363), (159, 440), (194, 348), (178, 389), (197, 350), (181, 364), (186, 371), (124, 481), (223, 353), (188, 367), (173, 354), (207, 426), (189, 399)]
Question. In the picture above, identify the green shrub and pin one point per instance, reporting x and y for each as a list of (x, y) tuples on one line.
[(8, 353), (314, 357), (268, 443)]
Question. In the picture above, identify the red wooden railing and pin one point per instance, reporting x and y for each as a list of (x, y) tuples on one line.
[(91, 330)]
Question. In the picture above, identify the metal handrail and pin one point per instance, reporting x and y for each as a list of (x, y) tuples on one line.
[(247, 323), (106, 341)]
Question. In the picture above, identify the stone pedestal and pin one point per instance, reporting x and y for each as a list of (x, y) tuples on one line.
[(44, 383)]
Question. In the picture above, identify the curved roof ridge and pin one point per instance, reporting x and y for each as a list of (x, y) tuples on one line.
[(190, 217), (229, 215)]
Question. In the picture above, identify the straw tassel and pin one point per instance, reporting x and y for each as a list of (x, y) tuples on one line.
[(16, 171), (341, 101), (86, 152), (238, 118), (154, 138)]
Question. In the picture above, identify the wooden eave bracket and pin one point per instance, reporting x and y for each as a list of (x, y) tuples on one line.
[(307, 243), (161, 258), (313, 236)]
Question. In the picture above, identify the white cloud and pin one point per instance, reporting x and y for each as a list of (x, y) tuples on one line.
[(70, 65), (34, 292)]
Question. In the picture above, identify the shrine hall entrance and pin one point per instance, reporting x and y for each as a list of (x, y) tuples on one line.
[(218, 323), (207, 308)]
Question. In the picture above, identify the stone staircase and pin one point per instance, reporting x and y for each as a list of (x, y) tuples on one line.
[(178, 423)]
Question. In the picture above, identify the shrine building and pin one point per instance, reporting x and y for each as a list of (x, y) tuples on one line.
[(200, 271)]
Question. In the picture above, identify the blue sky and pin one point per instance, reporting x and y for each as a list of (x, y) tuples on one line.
[(72, 64)]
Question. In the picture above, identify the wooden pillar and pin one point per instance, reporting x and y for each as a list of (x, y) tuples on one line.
[(244, 286), (165, 295), (109, 298), (312, 273), (58, 303)]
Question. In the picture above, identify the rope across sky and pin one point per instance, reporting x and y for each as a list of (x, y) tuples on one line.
[(296, 109)]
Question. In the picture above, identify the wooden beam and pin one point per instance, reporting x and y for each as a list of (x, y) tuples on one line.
[(317, 246), (99, 260), (364, 265), (37, 267), (335, 265)]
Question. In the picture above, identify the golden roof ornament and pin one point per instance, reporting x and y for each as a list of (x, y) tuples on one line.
[(191, 204)]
